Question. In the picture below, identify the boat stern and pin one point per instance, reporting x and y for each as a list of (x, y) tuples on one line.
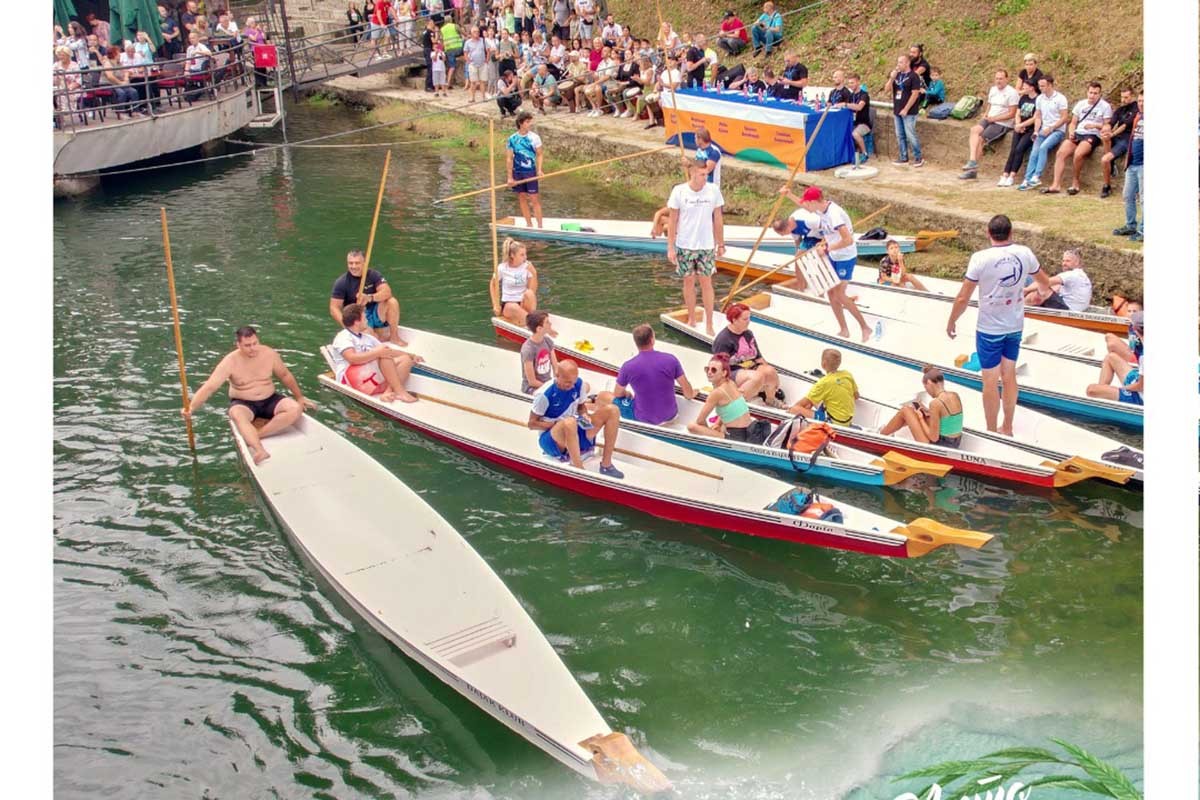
[(616, 760), (898, 467), (925, 535)]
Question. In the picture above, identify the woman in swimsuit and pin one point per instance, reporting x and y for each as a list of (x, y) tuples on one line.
[(733, 411), (940, 423), (518, 283)]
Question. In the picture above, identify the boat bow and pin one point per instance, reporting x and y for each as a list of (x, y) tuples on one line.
[(617, 761)]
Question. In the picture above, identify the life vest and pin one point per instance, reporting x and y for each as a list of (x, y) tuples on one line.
[(822, 511), (805, 503)]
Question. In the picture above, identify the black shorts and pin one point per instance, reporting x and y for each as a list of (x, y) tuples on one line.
[(263, 409), (1097, 143), (949, 441), (994, 132), (1055, 301)]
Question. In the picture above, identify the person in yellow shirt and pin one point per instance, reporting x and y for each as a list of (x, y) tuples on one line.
[(832, 397)]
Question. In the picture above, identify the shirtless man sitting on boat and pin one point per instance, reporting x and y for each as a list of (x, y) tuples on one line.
[(569, 422), (376, 298), (362, 362), (1131, 375), (250, 370)]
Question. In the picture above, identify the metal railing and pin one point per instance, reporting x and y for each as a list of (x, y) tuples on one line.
[(321, 56), (228, 70)]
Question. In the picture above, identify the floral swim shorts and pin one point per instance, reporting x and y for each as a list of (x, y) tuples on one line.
[(700, 262)]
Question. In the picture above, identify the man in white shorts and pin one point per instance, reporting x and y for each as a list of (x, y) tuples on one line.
[(999, 272), (1072, 287), (362, 362), (996, 123), (475, 50), (695, 237)]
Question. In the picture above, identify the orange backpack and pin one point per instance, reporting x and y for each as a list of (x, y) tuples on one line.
[(812, 437)]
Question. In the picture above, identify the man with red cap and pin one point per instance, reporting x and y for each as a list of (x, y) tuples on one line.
[(835, 228)]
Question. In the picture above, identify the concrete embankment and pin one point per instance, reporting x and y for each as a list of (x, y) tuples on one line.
[(929, 198)]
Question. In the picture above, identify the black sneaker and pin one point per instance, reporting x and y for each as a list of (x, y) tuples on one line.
[(1105, 190), (1125, 230)]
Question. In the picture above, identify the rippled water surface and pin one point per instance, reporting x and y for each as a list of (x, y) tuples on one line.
[(197, 656)]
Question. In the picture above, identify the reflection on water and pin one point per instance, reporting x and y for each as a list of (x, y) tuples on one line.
[(195, 653)]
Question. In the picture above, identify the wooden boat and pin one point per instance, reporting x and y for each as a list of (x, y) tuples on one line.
[(1046, 381), (660, 479), (496, 370), (409, 573), (1094, 319), (1077, 344), (634, 234), (1046, 451)]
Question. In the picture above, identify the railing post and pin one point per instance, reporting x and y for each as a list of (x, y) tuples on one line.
[(287, 46)]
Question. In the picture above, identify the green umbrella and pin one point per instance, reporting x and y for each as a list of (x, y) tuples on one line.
[(64, 10), (127, 17)]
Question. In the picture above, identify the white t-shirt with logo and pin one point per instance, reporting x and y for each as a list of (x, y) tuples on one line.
[(1089, 120), (828, 222), (1001, 271), (1052, 106), (1001, 100), (349, 340), (694, 231), (1076, 289)]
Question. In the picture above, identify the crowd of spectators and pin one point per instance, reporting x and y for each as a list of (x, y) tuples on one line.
[(94, 67)]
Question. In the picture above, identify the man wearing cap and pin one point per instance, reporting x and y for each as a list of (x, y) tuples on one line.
[(999, 272), (835, 228), (733, 38), (695, 237), (1131, 375), (1072, 287)]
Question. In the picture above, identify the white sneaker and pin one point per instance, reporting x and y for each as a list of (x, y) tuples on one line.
[(1002, 180)]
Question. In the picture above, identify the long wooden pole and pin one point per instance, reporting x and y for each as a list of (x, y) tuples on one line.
[(362, 281), (494, 283), (765, 275), (187, 403), (872, 215), (557, 172), (778, 203)]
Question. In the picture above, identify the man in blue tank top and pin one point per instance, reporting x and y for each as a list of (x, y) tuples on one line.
[(565, 432)]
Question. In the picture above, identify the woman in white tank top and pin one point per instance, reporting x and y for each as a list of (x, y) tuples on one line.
[(516, 284)]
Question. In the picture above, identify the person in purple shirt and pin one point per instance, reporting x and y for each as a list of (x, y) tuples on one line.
[(652, 375)]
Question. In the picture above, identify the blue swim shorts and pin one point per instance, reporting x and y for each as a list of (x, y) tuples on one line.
[(991, 347), (845, 269), (551, 448)]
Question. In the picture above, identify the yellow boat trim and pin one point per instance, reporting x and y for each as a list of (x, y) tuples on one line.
[(1077, 468), (925, 535), (616, 760), (897, 467)]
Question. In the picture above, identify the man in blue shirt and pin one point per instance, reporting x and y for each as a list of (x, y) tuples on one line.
[(768, 29), (565, 432), (709, 155), (1134, 185), (525, 162)]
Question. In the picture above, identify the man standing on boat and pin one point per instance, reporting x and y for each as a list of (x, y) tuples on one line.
[(695, 237), (566, 433), (251, 370), (525, 163), (999, 272), (652, 375), (376, 296)]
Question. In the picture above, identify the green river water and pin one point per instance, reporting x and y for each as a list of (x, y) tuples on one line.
[(195, 655)]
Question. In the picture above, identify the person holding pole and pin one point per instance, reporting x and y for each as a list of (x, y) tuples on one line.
[(524, 162), (835, 227), (695, 237), (251, 370), (374, 295)]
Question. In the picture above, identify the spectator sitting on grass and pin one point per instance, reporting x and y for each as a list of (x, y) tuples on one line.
[(1116, 135), (1030, 72), (733, 38), (935, 92), (1088, 119), (1050, 117), (995, 125), (768, 30)]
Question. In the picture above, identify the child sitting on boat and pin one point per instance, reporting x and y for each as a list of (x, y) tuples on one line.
[(833, 396), (362, 362), (892, 271)]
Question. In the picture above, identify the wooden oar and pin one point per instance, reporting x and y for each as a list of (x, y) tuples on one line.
[(494, 283), (778, 203), (764, 276), (178, 334), (622, 451), (600, 163), (872, 215), (362, 281)]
